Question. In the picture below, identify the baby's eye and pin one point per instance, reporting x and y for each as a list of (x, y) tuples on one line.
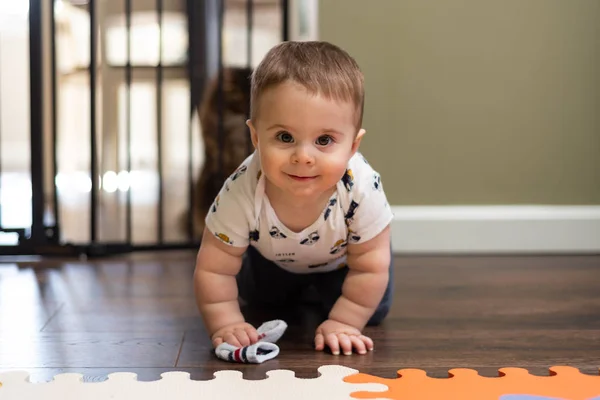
[(285, 137), (324, 140)]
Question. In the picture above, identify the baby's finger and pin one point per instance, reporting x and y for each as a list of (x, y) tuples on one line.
[(242, 336), (252, 335), (232, 339), (217, 341), (367, 341), (319, 342), (345, 344), (358, 344), (332, 342)]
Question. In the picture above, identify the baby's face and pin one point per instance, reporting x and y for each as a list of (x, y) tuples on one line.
[(304, 140)]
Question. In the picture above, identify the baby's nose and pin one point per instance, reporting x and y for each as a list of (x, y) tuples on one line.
[(302, 155)]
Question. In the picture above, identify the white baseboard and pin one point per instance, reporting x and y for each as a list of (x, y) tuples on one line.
[(496, 229)]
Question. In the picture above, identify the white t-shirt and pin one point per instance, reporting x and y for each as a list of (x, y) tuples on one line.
[(358, 210)]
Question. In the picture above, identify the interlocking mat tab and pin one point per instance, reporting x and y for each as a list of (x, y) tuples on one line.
[(562, 383), (335, 382)]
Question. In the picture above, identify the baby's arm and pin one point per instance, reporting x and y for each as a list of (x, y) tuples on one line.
[(362, 291), (215, 287), (366, 281)]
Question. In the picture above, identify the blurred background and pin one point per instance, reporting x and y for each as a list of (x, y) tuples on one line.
[(118, 118)]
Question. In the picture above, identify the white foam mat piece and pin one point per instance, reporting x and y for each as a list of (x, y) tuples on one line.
[(226, 385)]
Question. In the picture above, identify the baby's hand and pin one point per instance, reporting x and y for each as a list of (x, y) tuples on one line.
[(240, 334), (336, 334)]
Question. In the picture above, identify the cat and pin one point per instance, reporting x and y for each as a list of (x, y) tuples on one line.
[(236, 142)]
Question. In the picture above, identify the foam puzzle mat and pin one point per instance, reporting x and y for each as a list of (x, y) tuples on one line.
[(334, 382)]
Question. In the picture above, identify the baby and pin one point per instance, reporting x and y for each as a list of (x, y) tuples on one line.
[(304, 210)]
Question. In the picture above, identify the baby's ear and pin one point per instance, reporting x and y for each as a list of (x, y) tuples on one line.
[(357, 140), (253, 135), (360, 134)]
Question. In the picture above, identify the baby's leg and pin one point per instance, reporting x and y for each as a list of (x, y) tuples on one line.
[(262, 282), (329, 286)]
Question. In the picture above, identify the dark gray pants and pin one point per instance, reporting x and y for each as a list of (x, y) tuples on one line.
[(262, 283)]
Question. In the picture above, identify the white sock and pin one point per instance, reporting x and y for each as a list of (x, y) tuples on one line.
[(261, 351), (254, 354), (271, 331)]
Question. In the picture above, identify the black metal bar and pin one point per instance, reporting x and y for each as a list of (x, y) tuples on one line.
[(285, 20), (190, 172), (91, 251), (36, 115), (128, 222), (20, 231), (111, 249), (201, 35), (249, 28), (249, 32), (93, 144), (192, 26), (159, 119), (196, 12), (220, 92), (54, 121)]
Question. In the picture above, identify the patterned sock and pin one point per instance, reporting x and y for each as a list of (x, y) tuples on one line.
[(259, 352), (255, 353), (271, 331)]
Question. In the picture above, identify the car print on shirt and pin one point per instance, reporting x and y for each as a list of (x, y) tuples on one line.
[(332, 202), (276, 233), (287, 260), (239, 172), (349, 217), (311, 239), (339, 245), (377, 182), (224, 238), (318, 265), (254, 235), (348, 180), (215, 204), (353, 237)]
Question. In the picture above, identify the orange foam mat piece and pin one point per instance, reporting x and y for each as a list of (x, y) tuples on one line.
[(564, 383)]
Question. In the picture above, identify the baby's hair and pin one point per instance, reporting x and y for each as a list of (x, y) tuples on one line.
[(321, 67)]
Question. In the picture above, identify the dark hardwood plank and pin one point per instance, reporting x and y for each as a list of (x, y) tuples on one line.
[(115, 278), (23, 309), (396, 349), (137, 314), (22, 317), (471, 312), (85, 350)]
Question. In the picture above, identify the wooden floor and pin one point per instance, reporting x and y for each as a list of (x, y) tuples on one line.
[(138, 314)]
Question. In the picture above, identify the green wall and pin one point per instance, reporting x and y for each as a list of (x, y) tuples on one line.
[(477, 101)]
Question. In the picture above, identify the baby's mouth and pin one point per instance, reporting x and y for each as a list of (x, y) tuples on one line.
[(301, 178)]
